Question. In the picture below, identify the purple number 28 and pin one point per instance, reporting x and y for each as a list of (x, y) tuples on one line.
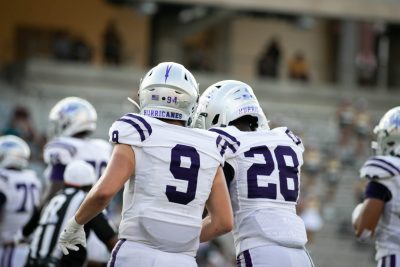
[(188, 174), (285, 172)]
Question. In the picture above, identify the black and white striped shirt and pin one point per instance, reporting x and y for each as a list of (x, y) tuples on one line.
[(54, 218)]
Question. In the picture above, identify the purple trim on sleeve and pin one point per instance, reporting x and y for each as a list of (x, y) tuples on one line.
[(380, 167), (387, 163), (378, 191), (136, 126), (218, 131), (392, 260), (142, 120), (115, 252), (57, 172)]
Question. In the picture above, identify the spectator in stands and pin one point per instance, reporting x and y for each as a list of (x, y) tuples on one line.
[(80, 51), (268, 64), (312, 164), (112, 45), (362, 127), (62, 46), (309, 209), (20, 125), (298, 68), (345, 120)]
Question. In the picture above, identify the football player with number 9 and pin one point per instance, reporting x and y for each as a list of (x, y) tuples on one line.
[(170, 174), (262, 169)]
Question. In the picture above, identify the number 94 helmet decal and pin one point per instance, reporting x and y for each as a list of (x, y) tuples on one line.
[(168, 91), (388, 134), (14, 152)]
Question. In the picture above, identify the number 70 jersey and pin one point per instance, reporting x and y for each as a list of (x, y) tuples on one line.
[(265, 186), (174, 172)]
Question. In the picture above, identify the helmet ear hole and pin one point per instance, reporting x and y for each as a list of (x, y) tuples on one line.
[(215, 119)]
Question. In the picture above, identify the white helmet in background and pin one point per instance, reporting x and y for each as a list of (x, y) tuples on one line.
[(72, 115), (79, 173), (388, 134), (168, 91), (226, 101), (14, 152)]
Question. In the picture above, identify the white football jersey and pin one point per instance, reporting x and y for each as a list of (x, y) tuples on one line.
[(22, 189), (265, 186), (63, 150), (386, 170), (175, 169)]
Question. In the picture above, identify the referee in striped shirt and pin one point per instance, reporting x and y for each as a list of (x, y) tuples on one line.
[(79, 177)]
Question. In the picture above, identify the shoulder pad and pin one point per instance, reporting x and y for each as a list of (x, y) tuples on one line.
[(226, 143), (102, 144), (380, 167), (284, 131), (58, 151), (130, 129)]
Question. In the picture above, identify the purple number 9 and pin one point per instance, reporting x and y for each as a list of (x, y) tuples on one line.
[(179, 172)]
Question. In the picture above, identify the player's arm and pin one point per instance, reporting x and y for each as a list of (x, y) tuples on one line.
[(367, 215), (118, 171), (220, 218)]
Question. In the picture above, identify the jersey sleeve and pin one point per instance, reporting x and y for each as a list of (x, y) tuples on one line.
[(378, 190), (226, 143), (130, 129), (297, 140), (380, 167), (59, 152)]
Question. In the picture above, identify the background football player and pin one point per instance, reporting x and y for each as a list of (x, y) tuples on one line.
[(263, 172), (379, 214), (72, 120), (20, 192), (79, 177), (176, 172)]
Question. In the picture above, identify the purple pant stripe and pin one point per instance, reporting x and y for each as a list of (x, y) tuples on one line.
[(115, 251), (392, 260), (3, 256), (247, 258), (11, 256), (383, 263)]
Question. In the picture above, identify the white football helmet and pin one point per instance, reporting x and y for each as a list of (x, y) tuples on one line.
[(79, 173), (226, 101), (388, 134), (168, 91), (14, 152), (72, 115)]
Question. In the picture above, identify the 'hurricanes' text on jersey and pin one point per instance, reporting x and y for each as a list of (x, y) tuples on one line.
[(175, 170), (264, 168), (384, 173)]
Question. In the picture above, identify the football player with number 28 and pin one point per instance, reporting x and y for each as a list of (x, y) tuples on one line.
[(169, 173), (263, 172), (379, 214)]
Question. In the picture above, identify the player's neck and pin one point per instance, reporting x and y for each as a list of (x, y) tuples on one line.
[(244, 127), (175, 122)]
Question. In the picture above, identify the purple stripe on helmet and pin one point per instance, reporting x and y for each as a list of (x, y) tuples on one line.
[(142, 120), (136, 126), (115, 252)]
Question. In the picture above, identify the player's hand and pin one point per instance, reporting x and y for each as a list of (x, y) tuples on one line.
[(72, 236)]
